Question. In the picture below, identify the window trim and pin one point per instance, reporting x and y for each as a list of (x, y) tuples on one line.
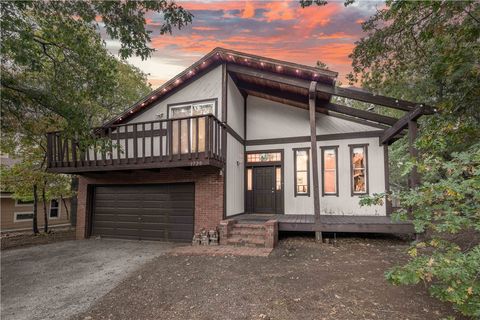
[(189, 103), (15, 220), (322, 149), (296, 194), (367, 174), (50, 209), (23, 204)]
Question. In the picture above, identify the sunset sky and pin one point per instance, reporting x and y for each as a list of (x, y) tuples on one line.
[(281, 30)]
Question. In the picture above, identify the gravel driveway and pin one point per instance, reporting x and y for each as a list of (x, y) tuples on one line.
[(59, 280)]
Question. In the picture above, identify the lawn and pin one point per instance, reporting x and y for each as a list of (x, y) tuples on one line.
[(301, 279)]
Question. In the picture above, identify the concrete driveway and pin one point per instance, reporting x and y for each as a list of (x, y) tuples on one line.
[(59, 280)]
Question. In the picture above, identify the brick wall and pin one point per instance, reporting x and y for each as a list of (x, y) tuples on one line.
[(208, 192)]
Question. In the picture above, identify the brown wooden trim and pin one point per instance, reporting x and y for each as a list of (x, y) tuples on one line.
[(234, 134), (224, 93), (400, 125), (324, 137), (327, 89), (322, 149), (295, 171), (358, 228), (386, 165), (224, 133), (313, 141), (275, 164), (412, 136), (186, 103), (367, 173)]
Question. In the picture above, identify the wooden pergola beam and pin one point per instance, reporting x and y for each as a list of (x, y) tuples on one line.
[(312, 98), (322, 106), (400, 125), (332, 90)]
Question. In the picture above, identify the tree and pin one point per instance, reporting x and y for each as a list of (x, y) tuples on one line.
[(429, 51), (58, 75), (321, 65), (54, 61)]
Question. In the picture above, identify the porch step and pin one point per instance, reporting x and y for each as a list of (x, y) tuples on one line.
[(257, 234), (256, 241)]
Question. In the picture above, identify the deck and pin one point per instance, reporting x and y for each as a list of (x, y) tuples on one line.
[(180, 142), (332, 223)]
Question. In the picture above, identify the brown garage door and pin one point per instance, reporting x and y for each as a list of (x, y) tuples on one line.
[(144, 212)]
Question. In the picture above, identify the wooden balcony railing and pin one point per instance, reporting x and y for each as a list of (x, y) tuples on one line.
[(182, 142)]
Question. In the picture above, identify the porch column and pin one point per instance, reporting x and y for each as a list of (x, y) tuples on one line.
[(312, 95), (414, 179)]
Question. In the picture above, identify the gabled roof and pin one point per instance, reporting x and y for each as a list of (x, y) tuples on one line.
[(216, 57)]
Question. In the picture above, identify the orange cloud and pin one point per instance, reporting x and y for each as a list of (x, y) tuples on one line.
[(204, 28), (249, 11), (279, 11)]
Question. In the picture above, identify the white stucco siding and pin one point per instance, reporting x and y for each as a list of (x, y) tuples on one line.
[(235, 177), (344, 204), (268, 119), (235, 108), (208, 86)]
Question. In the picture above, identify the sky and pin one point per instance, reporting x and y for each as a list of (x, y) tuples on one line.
[(276, 29)]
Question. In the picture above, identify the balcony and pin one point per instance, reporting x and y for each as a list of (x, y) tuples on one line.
[(181, 142)]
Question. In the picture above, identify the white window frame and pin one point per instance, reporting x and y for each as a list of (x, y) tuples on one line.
[(191, 105), (15, 220), (50, 208)]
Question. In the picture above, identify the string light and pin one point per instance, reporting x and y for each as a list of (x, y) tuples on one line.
[(279, 67), (246, 60), (164, 89), (153, 98), (297, 71), (262, 64), (315, 75)]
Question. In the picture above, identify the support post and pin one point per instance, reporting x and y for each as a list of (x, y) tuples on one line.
[(412, 136), (312, 95)]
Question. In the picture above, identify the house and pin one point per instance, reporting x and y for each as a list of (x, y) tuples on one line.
[(237, 137), (17, 215)]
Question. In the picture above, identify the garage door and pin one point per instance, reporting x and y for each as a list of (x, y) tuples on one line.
[(144, 212)]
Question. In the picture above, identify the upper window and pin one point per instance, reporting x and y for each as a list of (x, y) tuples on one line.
[(359, 169), (54, 209), (193, 109), (264, 157), (249, 179), (329, 170), (302, 171), (186, 130)]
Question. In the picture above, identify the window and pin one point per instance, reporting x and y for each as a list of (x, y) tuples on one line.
[(278, 178), (329, 170), (249, 179), (54, 212), (23, 216), (21, 203), (264, 157), (180, 127), (359, 169), (302, 174)]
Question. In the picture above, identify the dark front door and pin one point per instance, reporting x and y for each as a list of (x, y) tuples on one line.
[(144, 212), (264, 189)]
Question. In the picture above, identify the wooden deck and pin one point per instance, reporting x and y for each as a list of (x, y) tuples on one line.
[(332, 223)]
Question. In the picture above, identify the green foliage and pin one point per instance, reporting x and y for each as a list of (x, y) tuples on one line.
[(55, 64), (428, 51)]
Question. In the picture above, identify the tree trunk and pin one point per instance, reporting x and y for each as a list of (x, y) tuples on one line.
[(45, 215), (66, 207), (35, 209)]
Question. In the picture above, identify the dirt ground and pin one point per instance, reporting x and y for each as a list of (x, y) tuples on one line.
[(301, 279)]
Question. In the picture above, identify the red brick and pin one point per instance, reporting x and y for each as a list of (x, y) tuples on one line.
[(208, 192)]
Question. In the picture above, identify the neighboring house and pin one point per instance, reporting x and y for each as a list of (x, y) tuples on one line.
[(17, 215), (232, 136)]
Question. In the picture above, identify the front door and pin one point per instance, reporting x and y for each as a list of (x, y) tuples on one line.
[(264, 189)]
